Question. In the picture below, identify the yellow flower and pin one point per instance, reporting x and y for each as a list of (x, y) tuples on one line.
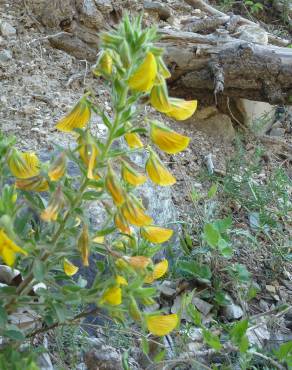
[(23, 165), (98, 239), (83, 245), (162, 68), (181, 109), (77, 118), (8, 249), (88, 152), (122, 224), (113, 296), (138, 262), (158, 172), (69, 268), (155, 234), (37, 183), (120, 280), (143, 78), (159, 98), (114, 188), (104, 64), (158, 271), (58, 168), (131, 176), (167, 140), (133, 140), (134, 213), (54, 206), (161, 325)]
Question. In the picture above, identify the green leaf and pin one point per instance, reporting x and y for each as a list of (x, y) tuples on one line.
[(125, 361), (92, 195), (39, 270), (160, 356), (223, 225), (225, 248), (145, 346), (104, 232), (240, 272), (100, 265), (211, 339), (3, 317), (194, 313), (238, 337), (212, 191), (195, 269), (14, 335), (60, 311), (211, 235), (284, 353)]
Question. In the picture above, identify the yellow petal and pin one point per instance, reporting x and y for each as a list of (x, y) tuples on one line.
[(162, 68), (8, 249), (104, 64), (23, 165), (98, 239), (159, 98), (181, 109), (37, 183), (120, 280), (161, 325), (139, 262), (135, 214), (69, 268), (133, 140), (58, 168), (113, 296), (77, 118), (131, 176), (158, 172), (83, 245), (168, 140), (114, 188), (155, 234), (122, 224), (143, 78), (50, 213), (158, 271)]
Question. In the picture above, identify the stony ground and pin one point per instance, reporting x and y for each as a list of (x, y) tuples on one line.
[(39, 84)]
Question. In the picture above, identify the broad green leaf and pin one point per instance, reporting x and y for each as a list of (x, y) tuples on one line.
[(238, 337), (92, 195), (211, 339), (211, 235), (160, 356), (194, 313), (3, 317), (284, 353), (223, 225), (39, 270), (145, 346), (14, 335), (195, 269)]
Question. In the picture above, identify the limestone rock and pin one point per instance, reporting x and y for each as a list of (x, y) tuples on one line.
[(162, 9), (277, 132), (5, 56), (218, 125), (104, 358), (253, 34), (232, 312), (167, 288), (6, 29)]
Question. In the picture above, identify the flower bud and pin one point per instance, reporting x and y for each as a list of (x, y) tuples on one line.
[(114, 188), (83, 245), (23, 165), (157, 172), (55, 205), (58, 168), (37, 183)]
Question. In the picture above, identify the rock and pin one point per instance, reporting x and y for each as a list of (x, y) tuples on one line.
[(7, 274), (218, 126), (253, 34), (166, 288), (5, 56), (195, 334), (232, 312), (271, 289), (163, 10), (44, 362), (264, 305), (202, 306), (104, 358), (105, 6), (206, 112), (194, 347), (277, 131), (254, 112), (259, 335), (6, 29), (151, 308)]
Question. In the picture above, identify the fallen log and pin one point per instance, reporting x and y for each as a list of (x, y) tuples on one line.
[(238, 59)]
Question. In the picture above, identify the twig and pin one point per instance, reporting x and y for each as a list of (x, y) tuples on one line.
[(272, 361), (49, 37)]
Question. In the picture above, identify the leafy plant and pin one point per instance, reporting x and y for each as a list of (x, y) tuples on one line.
[(45, 233)]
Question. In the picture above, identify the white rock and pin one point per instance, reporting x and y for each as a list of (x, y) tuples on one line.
[(5, 56), (202, 306), (6, 29), (232, 312), (7, 274), (259, 335), (271, 289), (166, 288)]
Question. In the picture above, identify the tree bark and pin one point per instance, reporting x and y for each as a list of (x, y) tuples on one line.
[(222, 62)]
